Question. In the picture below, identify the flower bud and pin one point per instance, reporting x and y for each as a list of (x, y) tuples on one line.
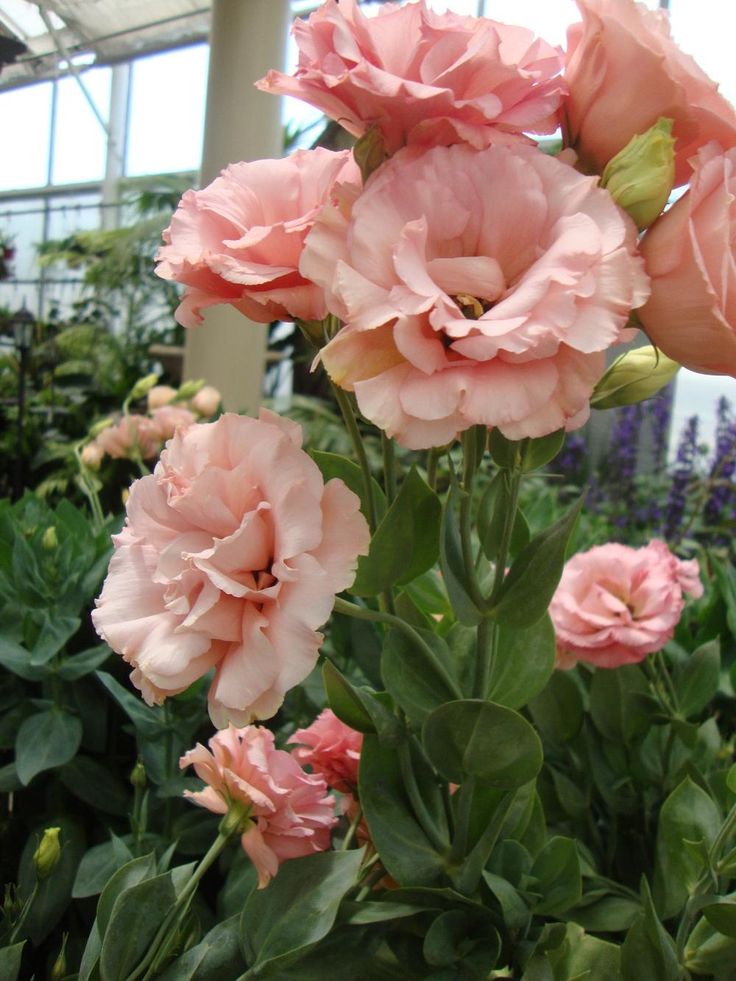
[(633, 377), (46, 856), (138, 775), (207, 401), (100, 427), (641, 176), (58, 971), (160, 395), (92, 455), (189, 389), (143, 386), (50, 540)]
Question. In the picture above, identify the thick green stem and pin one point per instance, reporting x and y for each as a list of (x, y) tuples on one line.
[(379, 616), (352, 427), (462, 820), (514, 477), (429, 825), (485, 653), (389, 467), (432, 460)]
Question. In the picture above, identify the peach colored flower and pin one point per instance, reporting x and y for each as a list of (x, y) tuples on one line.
[(92, 455), (160, 395), (231, 556), (624, 72), (207, 401), (616, 604), (477, 287), (130, 432), (239, 239), (331, 749), (168, 418), (422, 77), (290, 812), (690, 253)]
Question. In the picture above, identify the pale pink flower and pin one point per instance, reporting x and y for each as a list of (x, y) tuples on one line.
[(290, 812), (690, 253), (616, 604), (624, 71), (239, 240), (130, 434), (331, 749), (160, 395), (231, 556), (423, 77), (477, 287), (168, 418), (207, 401), (92, 455)]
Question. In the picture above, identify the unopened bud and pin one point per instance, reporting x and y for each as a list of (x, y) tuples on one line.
[(633, 377), (138, 775), (58, 971), (50, 540), (92, 455), (46, 856), (189, 389), (370, 152), (160, 395), (641, 176), (207, 401), (236, 821), (143, 386), (101, 426)]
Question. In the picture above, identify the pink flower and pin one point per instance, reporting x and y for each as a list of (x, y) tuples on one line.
[(290, 812), (231, 556), (168, 418), (207, 401), (690, 254), (130, 433), (92, 455), (477, 287), (239, 240), (624, 72), (160, 395), (616, 604), (422, 77), (332, 749)]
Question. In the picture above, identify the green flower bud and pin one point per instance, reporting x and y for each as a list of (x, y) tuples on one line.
[(138, 775), (143, 386), (46, 856), (633, 377), (100, 426), (189, 389), (58, 971), (640, 177), (50, 540)]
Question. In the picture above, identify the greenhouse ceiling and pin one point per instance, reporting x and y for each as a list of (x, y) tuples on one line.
[(39, 40)]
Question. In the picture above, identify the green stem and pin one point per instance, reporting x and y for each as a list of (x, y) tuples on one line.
[(462, 820), (352, 427), (389, 467), (351, 830), (432, 460), (379, 616), (664, 673), (23, 914), (485, 654), (514, 477), (429, 825)]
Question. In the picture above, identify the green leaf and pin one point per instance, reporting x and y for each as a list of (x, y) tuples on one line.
[(405, 850), (54, 893), (451, 561), (138, 870), (333, 465), (722, 916), (607, 914), (377, 912), (413, 681), (78, 665), (135, 918), (10, 959), (406, 542), (582, 957), (620, 703), (98, 865), (688, 813), (216, 956), (474, 738), (535, 573), (515, 911), (725, 575), (148, 722), (45, 741), (96, 785), (55, 633), (492, 511), (360, 708), (17, 659), (648, 952), (541, 451), (524, 663), (505, 452), (709, 953), (696, 679), (558, 709), (557, 871), (462, 936), (298, 909)]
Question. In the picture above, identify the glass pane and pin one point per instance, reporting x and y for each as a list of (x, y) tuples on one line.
[(25, 120), (73, 213), (705, 30), (80, 140), (22, 221), (697, 395), (167, 112), (548, 19)]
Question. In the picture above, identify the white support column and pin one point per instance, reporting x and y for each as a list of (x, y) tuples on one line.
[(247, 38)]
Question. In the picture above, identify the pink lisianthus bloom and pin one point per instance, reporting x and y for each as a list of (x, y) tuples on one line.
[(616, 604), (690, 253), (160, 395), (231, 556), (422, 77), (331, 749), (128, 434), (476, 287), (207, 401), (287, 812), (168, 418), (239, 240), (624, 71)]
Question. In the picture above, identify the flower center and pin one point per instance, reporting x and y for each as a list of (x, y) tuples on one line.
[(472, 307)]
